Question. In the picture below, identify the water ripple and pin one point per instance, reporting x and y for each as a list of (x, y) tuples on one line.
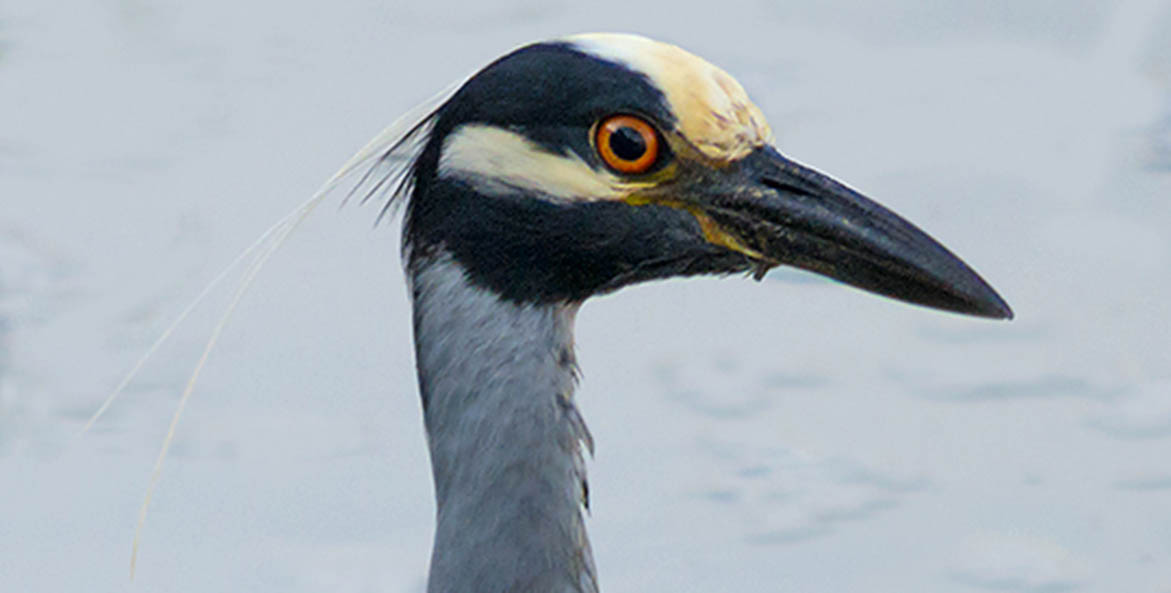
[(1147, 483), (1145, 413), (1018, 563), (1046, 386), (784, 496)]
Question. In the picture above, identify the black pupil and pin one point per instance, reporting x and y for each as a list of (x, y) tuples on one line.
[(627, 144)]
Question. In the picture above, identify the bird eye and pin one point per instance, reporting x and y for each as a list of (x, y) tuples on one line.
[(628, 144)]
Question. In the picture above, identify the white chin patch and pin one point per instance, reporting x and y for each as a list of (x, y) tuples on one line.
[(499, 162)]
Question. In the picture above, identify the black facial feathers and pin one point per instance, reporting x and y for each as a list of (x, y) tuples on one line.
[(551, 85), (530, 249)]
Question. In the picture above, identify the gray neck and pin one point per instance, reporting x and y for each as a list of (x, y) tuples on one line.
[(497, 381)]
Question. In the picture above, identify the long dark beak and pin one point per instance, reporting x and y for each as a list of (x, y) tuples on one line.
[(784, 213)]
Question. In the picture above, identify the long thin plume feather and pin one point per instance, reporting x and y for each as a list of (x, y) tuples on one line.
[(245, 284), (387, 159), (390, 154), (175, 324)]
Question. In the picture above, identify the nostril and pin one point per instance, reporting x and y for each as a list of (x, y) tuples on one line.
[(787, 188)]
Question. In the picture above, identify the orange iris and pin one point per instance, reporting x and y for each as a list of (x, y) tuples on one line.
[(628, 144)]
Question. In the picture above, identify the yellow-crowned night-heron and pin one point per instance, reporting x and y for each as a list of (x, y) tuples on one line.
[(567, 169)]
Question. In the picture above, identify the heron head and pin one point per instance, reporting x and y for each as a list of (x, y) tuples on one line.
[(576, 166)]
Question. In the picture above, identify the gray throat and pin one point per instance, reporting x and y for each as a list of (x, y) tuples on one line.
[(497, 382)]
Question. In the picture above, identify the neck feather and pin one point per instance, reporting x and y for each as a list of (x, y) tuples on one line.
[(497, 382)]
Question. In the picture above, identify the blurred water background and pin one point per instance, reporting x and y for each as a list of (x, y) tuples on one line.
[(790, 436)]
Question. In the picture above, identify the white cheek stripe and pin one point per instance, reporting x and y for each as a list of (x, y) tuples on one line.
[(499, 162)]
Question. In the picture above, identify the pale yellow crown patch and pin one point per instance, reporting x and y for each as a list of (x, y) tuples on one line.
[(713, 111)]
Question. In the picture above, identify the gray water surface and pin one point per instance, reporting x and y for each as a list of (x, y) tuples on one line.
[(793, 435)]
